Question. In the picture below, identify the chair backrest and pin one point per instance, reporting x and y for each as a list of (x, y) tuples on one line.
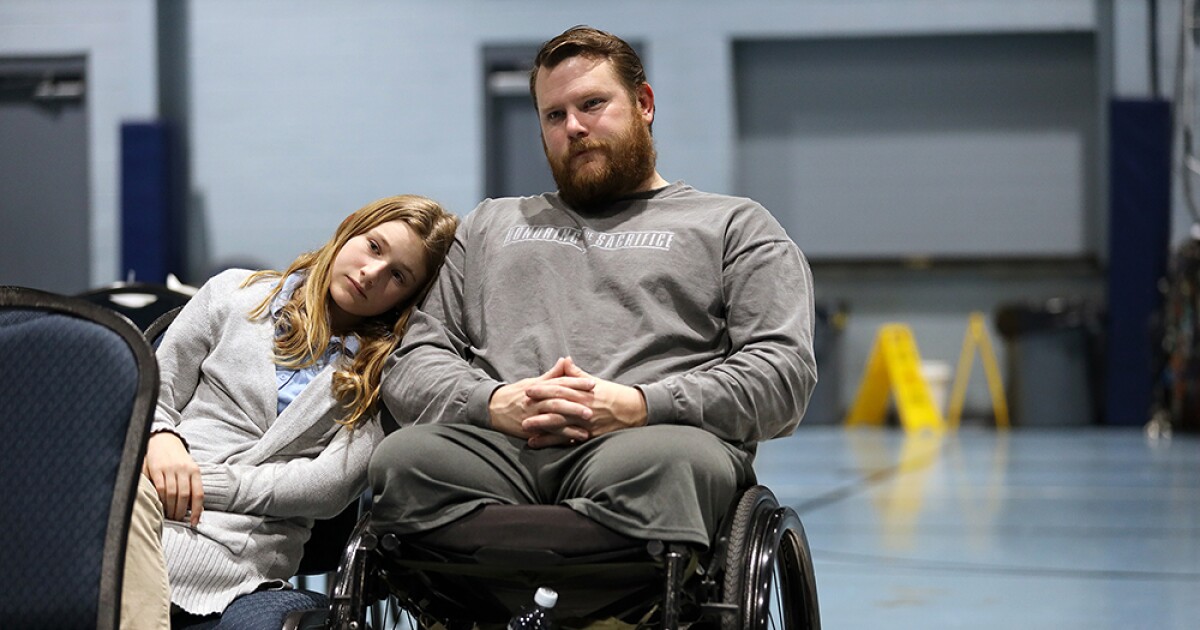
[(142, 303), (155, 330), (77, 390)]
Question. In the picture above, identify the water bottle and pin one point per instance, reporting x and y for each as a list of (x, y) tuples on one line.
[(538, 616)]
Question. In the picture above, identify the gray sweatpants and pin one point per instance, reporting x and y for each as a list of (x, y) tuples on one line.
[(661, 482)]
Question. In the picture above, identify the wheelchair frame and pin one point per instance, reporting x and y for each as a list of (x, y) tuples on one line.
[(758, 573)]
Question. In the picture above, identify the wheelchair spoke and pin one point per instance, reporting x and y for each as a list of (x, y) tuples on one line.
[(776, 603), (778, 613)]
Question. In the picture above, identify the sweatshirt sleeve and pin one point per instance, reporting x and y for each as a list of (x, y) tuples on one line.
[(761, 389), (313, 487), (429, 378), (186, 343)]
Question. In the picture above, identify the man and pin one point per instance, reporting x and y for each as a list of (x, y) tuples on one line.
[(619, 346)]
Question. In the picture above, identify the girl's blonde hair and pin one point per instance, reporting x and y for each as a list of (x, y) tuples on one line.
[(303, 330)]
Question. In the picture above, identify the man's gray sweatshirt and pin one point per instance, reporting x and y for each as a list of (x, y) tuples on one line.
[(699, 300)]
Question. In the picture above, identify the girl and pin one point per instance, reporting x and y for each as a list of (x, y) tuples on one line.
[(267, 412)]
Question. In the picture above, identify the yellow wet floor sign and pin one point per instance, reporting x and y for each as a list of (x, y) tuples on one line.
[(894, 367), (977, 339)]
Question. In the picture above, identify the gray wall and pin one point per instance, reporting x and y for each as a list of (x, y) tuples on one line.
[(117, 37), (300, 111), (948, 146)]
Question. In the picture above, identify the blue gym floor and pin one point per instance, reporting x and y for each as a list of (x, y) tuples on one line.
[(1075, 528)]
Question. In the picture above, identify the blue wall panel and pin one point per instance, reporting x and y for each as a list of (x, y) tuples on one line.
[(149, 235), (1140, 216)]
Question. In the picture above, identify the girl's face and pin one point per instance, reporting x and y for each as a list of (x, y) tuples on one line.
[(375, 271)]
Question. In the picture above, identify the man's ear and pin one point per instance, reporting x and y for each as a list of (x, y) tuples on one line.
[(645, 102)]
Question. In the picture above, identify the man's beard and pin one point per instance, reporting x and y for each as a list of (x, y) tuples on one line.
[(624, 164)]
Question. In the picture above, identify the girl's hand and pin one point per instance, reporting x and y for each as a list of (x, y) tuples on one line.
[(175, 476)]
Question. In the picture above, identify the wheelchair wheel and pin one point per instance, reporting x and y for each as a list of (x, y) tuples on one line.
[(768, 567), (355, 585)]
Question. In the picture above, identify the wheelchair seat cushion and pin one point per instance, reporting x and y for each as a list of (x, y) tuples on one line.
[(504, 532), (534, 534)]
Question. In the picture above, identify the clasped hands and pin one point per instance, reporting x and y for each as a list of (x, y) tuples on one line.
[(565, 406)]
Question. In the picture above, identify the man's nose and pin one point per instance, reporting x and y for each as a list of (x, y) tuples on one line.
[(575, 126)]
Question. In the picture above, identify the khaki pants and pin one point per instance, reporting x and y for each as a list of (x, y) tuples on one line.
[(145, 591)]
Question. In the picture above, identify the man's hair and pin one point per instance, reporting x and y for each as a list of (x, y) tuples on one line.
[(590, 42)]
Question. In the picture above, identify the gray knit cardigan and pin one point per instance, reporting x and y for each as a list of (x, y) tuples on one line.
[(265, 476)]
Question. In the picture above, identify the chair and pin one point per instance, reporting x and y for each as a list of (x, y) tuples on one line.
[(77, 390), (757, 573), (141, 302)]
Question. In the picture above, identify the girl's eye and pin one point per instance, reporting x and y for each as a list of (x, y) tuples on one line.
[(398, 277), (374, 245)]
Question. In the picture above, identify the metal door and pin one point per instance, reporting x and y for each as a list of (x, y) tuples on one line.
[(44, 218)]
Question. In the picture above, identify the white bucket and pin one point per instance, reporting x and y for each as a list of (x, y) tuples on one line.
[(937, 377)]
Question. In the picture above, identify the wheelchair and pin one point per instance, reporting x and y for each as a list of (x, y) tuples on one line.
[(476, 571)]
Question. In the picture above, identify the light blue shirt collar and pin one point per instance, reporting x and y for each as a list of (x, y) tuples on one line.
[(348, 345), (292, 382)]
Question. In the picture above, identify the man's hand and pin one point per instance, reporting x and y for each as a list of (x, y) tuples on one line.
[(175, 475), (612, 407), (557, 419)]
